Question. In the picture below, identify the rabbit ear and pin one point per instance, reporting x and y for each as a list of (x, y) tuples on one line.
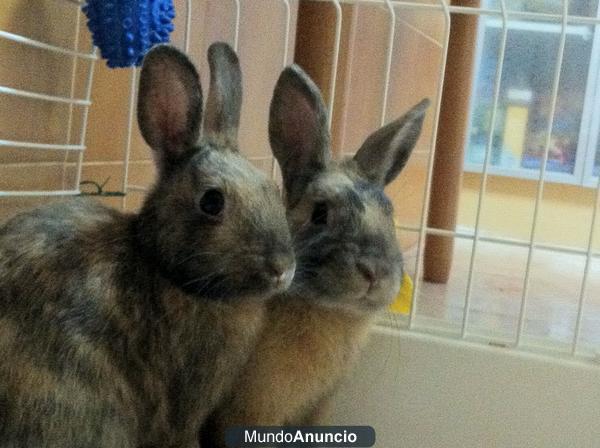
[(298, 130), (169, 103), (224, 102), (385, 152)]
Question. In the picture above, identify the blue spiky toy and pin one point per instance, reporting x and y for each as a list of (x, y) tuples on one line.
[(124, 30)]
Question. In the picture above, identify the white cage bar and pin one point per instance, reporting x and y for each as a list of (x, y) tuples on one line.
[(394, 10), (544, 164), (72, 102), (425, 210), (72, 88), (484, 174)]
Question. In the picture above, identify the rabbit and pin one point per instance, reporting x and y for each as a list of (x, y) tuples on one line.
[(124, 330), (349, 265)]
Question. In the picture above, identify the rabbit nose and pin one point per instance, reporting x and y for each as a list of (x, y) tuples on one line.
[(367, 271), (282, 272)]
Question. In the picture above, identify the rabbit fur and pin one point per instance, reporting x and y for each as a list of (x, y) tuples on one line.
[(124, 330), (349, 265)]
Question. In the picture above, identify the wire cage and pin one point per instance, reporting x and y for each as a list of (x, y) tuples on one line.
[(72, 98), (531, 289)]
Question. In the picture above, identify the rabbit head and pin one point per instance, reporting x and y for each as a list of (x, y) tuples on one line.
[(213, 223), (341, 220)]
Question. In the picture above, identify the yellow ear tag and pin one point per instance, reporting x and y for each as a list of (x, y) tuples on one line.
[(404, 298)]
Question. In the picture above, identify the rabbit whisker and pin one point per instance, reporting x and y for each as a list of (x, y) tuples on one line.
[(193, 256)]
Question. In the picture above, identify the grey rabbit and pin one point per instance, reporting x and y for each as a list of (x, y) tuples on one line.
[(124, 330), (349, 265)]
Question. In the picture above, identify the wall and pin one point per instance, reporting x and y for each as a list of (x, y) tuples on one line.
[(419, 391)]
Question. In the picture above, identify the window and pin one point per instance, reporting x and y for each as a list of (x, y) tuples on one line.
[(524, 103)]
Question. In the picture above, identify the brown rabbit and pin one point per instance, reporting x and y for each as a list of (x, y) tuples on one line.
[(123, 330), (349, 265)]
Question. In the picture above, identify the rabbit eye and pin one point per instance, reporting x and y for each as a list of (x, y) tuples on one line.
[(212, 202), (319, 214)]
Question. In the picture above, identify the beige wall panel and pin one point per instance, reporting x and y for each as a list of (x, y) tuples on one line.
[(107, 121), (31, 177)]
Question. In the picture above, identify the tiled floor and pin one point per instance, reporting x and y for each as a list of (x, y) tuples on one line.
[(555, 284)]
